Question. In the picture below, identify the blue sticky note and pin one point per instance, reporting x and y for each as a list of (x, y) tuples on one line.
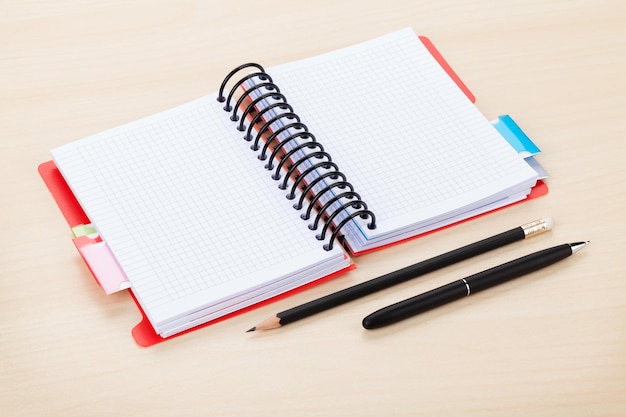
[(513, 134)]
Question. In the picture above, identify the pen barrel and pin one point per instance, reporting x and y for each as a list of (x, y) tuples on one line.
[(466, 286), (416, 305), (518, 267)]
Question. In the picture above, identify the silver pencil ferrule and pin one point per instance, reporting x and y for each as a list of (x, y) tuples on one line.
[(536, 227)]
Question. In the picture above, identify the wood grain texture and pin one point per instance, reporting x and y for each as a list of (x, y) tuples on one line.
[(550, 344)]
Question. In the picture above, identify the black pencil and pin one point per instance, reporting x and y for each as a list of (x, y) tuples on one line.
[(404, 274)]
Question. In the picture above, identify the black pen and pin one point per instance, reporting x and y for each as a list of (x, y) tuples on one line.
[(385, 281), (470, 285)]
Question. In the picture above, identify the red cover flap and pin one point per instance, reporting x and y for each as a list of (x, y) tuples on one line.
[(71, 210), (435, 53)]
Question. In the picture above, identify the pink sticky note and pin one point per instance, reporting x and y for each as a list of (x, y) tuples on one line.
[(102, 264)]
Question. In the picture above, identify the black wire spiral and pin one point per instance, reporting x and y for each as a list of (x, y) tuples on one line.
[(266, 105)]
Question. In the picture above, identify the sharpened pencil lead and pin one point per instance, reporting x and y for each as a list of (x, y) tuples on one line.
[(268, 324), (251, 330)]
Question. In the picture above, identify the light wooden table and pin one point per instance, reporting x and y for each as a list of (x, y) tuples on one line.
[(552, 343)]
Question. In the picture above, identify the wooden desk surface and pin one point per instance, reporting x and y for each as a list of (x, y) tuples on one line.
[(552, 343)]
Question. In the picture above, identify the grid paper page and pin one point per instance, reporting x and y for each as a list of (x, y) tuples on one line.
[(187, 209), (412, 144)]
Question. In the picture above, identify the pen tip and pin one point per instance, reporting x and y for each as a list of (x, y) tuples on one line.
[(251, 330), (578, 246)]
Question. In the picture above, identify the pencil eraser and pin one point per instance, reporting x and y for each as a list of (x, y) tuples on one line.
[(549, 222)]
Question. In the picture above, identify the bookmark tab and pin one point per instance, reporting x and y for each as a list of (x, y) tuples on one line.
[(84, 230), (513, 134), (102, 264)]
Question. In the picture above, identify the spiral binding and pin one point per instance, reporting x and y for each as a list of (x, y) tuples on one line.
[(286, 157), (268, 86), (280, 144), (259, 116), (295, 149)]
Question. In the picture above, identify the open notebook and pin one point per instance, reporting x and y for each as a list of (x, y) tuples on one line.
[(372, 143)]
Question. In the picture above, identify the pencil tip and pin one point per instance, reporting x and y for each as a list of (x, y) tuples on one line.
[(267, 324), (251, 330)]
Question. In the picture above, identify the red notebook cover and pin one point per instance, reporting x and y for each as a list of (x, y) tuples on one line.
[(143, 333)]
